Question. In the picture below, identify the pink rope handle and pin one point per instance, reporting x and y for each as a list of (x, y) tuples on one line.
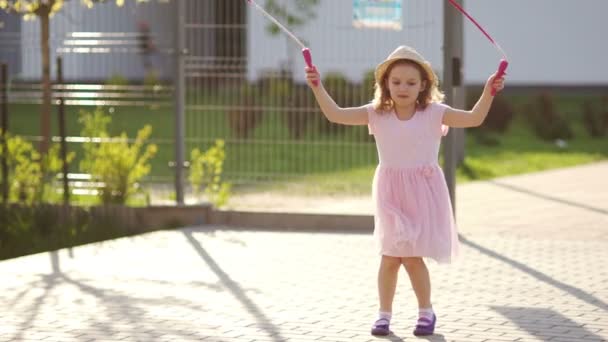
[(503, 62), (308, 60)]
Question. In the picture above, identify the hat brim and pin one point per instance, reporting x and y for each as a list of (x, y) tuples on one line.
[(383, 67)]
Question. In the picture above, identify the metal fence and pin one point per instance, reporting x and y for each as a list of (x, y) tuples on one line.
[(117, 59), (243, 84), (246, 85)]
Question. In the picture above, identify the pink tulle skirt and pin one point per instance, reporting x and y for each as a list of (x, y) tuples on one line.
[(413, 215)]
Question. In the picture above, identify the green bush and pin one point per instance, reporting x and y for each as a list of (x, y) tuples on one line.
[(341, 91), (206, 173), (39, 228), (151, 80), (595, 117), (113, 160), (302, 108), (30, 175), (500, 115), (339, 88), (547, 123), (244, 116), (276, 88), (117, 80), (369, 80)]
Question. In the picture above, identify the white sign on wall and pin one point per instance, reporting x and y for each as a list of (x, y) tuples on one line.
[(377, 14)]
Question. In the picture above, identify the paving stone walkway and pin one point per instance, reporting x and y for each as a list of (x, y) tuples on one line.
[(534, 267)]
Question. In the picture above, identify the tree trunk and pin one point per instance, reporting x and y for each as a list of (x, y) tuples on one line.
[(45, 109)]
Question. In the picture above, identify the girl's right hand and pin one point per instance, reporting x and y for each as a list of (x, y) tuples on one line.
[(312, 75)]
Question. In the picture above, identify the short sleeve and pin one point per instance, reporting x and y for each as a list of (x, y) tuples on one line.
[(372, 117), (437, 112)]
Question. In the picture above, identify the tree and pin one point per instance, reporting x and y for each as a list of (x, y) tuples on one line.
[(290, 16), (44, 11)]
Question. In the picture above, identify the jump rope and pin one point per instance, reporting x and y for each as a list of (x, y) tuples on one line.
[(502, 67), (305, 50)]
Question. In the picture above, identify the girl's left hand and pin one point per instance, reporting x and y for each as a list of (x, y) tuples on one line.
[(495, 83)]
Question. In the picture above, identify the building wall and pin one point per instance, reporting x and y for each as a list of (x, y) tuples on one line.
[(337, 46), (548, 42), (116, 52), (10, 51)]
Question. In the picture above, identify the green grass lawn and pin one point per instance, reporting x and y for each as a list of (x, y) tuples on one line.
[(340, 162), (517, 154)]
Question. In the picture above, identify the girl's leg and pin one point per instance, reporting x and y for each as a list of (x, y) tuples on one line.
[(420, 279), (387, 281)]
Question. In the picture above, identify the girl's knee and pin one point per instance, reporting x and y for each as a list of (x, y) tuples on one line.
[(390, 262), (412, 262)]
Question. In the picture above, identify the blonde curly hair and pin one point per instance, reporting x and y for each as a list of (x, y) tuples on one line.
[(382, 101)]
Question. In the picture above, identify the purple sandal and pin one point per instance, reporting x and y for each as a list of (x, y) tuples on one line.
[(425, 326), (381, 327)]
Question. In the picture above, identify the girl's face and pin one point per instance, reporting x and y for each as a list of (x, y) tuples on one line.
[(404, 84)]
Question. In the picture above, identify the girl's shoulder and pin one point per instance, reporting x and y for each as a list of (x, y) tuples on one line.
[(437, 107), (375, 117), (436, 111), (375, 113), (371, 108)]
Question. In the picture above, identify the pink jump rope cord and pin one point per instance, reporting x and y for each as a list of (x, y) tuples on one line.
[(305, 50), (502, 67)]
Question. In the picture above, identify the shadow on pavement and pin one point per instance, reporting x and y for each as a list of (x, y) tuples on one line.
[(235, 289), (117, 307), (573, 291), (532, 321), (549, 198)]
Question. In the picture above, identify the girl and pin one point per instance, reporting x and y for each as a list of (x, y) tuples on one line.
[(413, 217)]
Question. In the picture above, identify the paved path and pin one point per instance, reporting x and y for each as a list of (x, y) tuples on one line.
[(533, 268)]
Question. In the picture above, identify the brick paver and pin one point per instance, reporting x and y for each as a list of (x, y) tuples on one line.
[(533, 268)]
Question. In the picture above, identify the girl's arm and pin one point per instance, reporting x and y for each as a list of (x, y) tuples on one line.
[(333, 113), (475, 117)]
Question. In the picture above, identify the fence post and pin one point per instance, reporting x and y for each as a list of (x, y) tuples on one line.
[(179, 89), (4, 114), (63, 146), (453, 87)]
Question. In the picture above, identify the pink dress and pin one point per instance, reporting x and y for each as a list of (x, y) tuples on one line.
[(413, 216)]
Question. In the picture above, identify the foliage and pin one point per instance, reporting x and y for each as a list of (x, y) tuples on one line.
[(244, 117), (40, 228), (302, 109), (290, 17), (112, 160), (340, 90), (595, 117), (499, 119), (44, 10), (338, 86), (30, 8), (206, 172), (546, 121), (500, 115), (151, 80), (117, 80), (30, 175), (317, 154)]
